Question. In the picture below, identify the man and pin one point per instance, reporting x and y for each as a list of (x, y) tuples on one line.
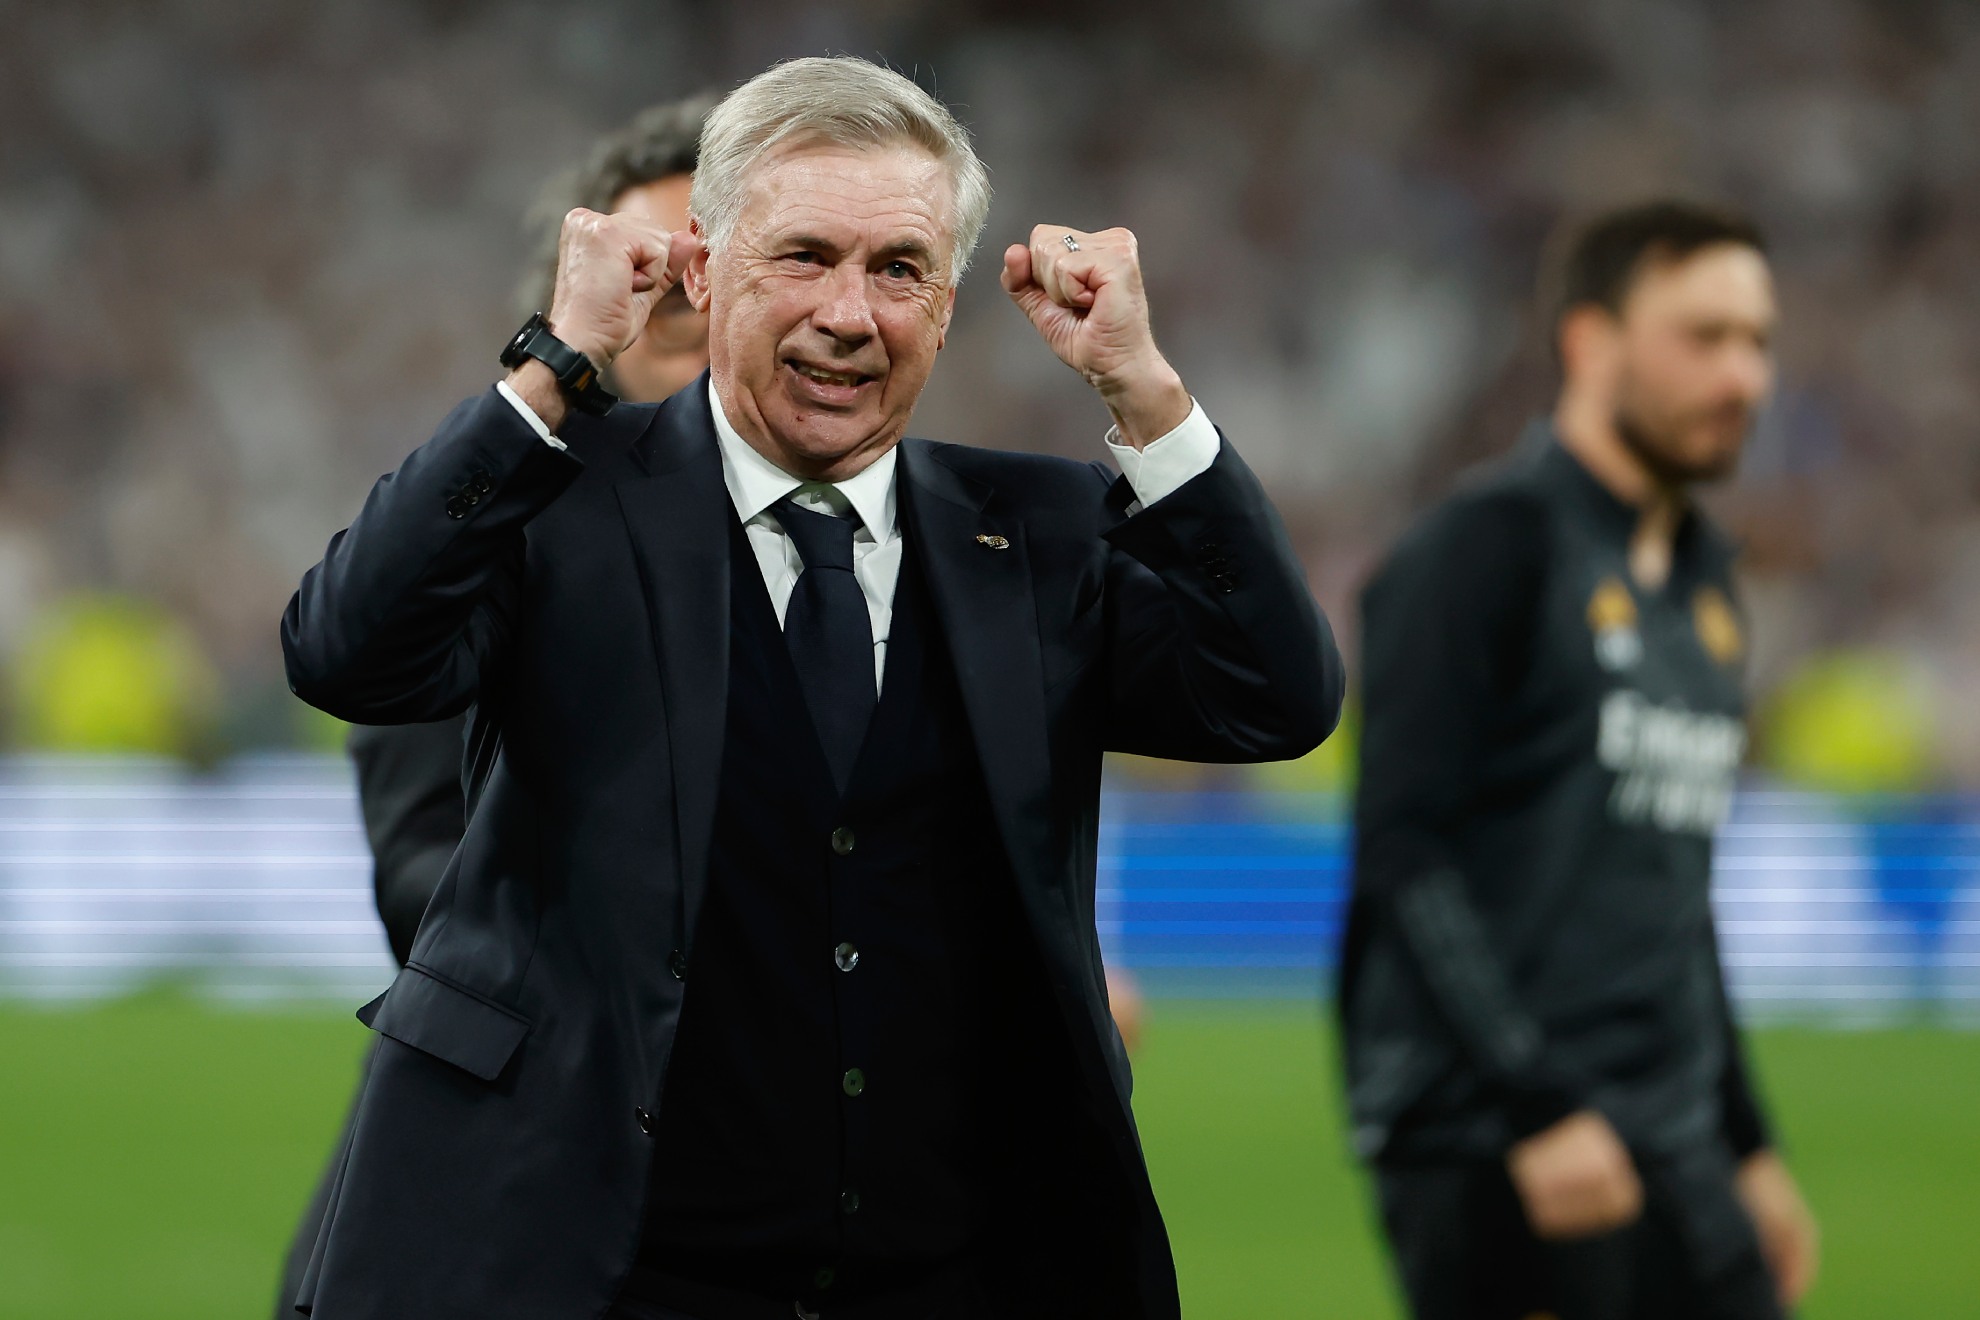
[(409, 775), (1540, 1057), (765, 980)]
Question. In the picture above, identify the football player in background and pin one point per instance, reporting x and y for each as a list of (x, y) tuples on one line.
[(1541, 1062)]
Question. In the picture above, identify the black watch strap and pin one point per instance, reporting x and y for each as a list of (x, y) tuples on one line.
[(575, 373)]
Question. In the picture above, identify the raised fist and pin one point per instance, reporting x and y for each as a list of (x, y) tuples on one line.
[(1083, 293), (611, 269)]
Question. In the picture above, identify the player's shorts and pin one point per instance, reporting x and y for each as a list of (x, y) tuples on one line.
[(1464, 1251)]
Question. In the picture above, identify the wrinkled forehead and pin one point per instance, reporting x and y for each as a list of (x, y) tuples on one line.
[(874, 195)]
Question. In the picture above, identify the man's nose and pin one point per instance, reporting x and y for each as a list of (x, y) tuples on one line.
[(1751, 372), (846, 313)]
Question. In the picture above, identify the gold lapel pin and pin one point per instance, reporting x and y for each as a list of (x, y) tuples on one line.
[(994, 541)]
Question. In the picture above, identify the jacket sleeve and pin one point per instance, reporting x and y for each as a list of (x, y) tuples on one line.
[(1446, 626), (414, 603), (1217, 649), (409, 791)]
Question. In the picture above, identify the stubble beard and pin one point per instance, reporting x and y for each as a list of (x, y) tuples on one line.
[(1656, 444)]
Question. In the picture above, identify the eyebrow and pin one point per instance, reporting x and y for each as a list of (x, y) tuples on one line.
[(810, 241), (910, 248)]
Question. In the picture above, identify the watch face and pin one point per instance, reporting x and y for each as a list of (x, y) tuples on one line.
[(512, 355)]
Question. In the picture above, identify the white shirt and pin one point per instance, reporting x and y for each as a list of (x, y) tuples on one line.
[(755, 483)]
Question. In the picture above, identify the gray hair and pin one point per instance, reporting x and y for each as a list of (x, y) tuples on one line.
[(846, 101)]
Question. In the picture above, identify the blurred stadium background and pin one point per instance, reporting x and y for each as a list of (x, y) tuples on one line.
[(250, 252)]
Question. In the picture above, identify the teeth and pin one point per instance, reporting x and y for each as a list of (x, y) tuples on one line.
[(828, 377)]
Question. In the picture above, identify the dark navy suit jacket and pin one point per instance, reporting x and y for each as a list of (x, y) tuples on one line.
[(577, 603)]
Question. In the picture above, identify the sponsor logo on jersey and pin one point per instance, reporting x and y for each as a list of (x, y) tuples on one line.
[(1675, 767)]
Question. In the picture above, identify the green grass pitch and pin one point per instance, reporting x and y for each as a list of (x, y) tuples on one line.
[(154, 1153)]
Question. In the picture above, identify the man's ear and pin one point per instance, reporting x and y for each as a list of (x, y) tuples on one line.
[(948, 314), (694, 280), (1587, 340)]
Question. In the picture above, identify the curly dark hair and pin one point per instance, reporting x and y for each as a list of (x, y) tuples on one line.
[(661, 141)]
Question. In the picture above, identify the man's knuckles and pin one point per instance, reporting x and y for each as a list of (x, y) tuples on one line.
[(596, 234)]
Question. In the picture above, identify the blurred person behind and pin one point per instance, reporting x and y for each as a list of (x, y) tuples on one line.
[(1541, 1059), (409, 775)]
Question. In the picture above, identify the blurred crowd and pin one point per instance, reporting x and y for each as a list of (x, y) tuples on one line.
[(250, 252)]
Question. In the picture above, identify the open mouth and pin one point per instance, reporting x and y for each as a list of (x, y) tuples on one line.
[(837, 379)]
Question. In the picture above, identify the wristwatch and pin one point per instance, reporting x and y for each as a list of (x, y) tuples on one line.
[(575, 373)]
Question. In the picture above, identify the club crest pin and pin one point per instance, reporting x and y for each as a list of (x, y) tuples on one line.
[(994, 541), (1717, 625), (1612, 618)]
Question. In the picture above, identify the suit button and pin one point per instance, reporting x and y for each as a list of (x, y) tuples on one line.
[(677, 964), (1227, 583), (854, 1081), (823, 1279), (470, 496), (842, 841), (846, 956), (849, 1201), (644, 1119), (456, 507), (480, 484)]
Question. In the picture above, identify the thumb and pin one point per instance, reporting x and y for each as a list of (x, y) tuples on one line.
[(681, 247), (1026, 292), (1044, 314), (1017, 268)]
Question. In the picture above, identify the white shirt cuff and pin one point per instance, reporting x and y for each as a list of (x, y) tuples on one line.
[(536, 423), (1164, 465)]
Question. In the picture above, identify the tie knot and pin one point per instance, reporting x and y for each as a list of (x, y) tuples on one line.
[(822, 540)]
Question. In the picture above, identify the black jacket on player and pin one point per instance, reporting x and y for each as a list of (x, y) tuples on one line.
[(1546, 752)]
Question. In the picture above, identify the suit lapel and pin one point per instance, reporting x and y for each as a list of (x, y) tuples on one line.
[(678, 515), (983, 601)]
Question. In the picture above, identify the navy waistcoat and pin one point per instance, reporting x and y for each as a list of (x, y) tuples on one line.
[(824, 1131)]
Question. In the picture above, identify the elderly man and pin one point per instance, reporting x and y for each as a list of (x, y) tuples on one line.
[(765, 981)]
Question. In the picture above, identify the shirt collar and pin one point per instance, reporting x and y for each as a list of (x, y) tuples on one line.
[(755, 483)]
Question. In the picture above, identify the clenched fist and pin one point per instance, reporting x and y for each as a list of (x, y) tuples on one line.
[(611, 269), (1083, 293)]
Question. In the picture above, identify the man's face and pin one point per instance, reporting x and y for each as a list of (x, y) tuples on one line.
[(829, 302), (673, 349), (1692, 361)]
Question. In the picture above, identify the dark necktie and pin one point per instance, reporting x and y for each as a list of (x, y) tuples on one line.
[(830, 634)]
